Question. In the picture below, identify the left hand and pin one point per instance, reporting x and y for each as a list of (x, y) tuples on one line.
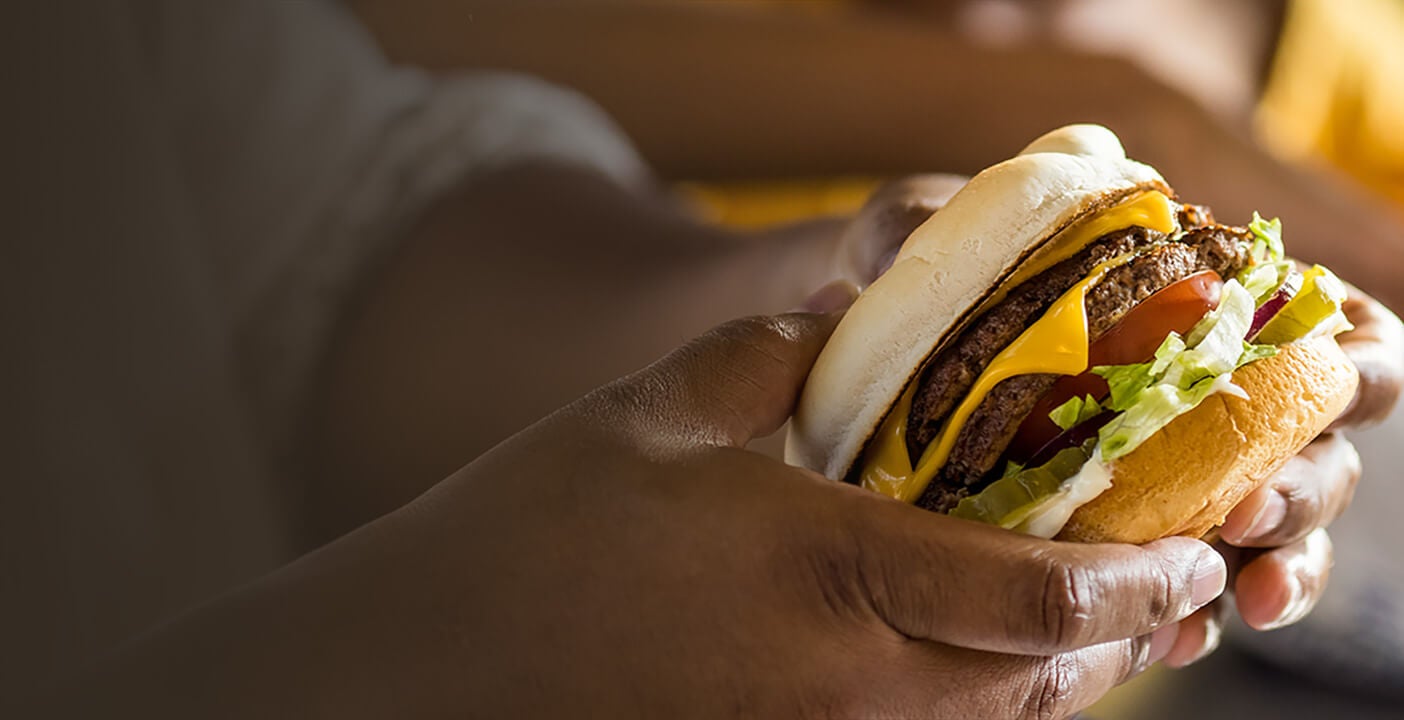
[(869, 243), (1275, 540)]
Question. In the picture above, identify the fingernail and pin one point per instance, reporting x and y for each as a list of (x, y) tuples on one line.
[(1210, 577), (1269, 517), (833, 297), (1162, 642)]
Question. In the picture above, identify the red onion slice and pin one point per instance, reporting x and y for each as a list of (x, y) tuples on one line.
[(1288, 290), (1072, 437)]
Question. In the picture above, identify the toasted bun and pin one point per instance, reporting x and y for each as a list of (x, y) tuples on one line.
[(947, 267), (1186, 478)]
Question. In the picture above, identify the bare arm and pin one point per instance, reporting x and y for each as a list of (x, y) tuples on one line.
[(513, 295), (567, 572), (711, 92)]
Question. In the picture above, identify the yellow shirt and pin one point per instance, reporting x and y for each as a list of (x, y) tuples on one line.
[(1335, 93), (1336, 90)]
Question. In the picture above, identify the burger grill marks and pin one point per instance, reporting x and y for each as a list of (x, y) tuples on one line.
[(951, 374)]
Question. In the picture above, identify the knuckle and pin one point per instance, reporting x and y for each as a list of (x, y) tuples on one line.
[(762, 331), (1306, 509), (1133, 659), (848, 585), (758, 344), (1054, 683), (1164, 604), (841, 581), (1066, 603), (623, 408)]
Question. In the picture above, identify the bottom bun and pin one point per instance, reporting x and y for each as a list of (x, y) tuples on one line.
[(1186, 478)]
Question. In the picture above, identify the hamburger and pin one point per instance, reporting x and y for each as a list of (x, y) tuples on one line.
[(1067, 350)]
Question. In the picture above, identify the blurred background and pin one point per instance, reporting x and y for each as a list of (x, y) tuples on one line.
[(708, 157), (764, 113)]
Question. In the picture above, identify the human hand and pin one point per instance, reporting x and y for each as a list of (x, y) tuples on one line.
[(1275, 540), (870, 242), (627, 557)]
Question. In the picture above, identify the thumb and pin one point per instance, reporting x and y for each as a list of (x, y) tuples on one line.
[(737, 382), (968, 584)]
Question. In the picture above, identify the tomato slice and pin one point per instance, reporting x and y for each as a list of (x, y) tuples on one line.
[(1175, 308)]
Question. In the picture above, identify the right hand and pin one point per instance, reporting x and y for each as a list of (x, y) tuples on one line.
[(627, 557)]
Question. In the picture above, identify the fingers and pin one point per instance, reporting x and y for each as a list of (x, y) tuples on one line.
[(1282, 585), (977, 586), (1198, 635), (1310, 491), (889, 216), (1376, 347), (831, 298), (1020, 686), (1065, 684), (737, 382)]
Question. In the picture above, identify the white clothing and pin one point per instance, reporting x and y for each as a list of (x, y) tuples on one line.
[(198, 187)]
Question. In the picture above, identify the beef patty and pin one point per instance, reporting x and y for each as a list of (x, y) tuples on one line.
[(952, 372)]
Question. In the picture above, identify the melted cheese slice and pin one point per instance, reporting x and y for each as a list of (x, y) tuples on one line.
[(1057, 343)]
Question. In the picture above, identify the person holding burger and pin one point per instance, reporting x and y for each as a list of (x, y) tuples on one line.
[(626, 555)]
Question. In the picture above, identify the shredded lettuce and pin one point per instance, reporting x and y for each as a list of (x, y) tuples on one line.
[(1215, 343), (1169, 349), (1267, 239), (1263, 279), (1074, 412), (1155, 407), (1183, 373), (1125, 381), (1253, 352), (1269, 268)]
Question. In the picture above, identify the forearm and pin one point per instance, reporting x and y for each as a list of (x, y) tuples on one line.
[(710, 91), (715, 92), (1326, 218), (512, 297), (367, 627)]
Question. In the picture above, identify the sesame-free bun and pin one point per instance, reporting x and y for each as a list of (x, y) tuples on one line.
[(1185, 479), (946, 268)]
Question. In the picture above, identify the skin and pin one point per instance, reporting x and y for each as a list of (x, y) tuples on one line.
[(411, 590), (1277, 581), (1160, 110), (569, 570), (904, 95)]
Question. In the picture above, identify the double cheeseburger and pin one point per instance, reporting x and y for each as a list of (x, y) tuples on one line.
[(1066, 350)]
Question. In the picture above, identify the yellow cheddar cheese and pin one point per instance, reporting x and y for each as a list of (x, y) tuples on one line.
[(1057, 343)]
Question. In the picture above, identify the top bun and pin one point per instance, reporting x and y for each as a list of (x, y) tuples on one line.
[(947, 267)]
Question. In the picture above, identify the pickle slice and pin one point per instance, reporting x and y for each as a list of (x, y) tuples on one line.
[(1319, 299), (1010, 500)]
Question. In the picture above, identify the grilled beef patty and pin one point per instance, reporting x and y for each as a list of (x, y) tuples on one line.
[(950, 375)]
